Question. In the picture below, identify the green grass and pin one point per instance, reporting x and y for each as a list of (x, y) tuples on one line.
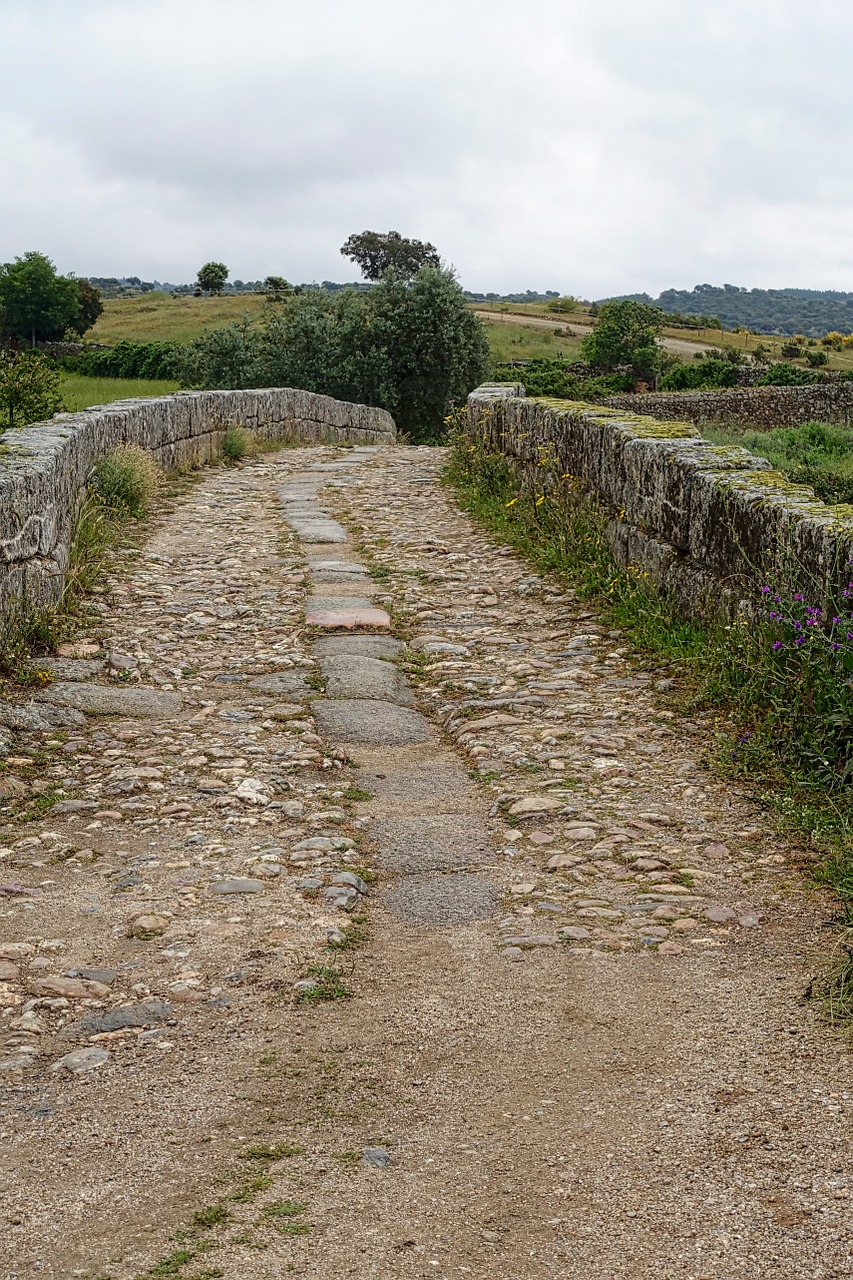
[(819, 454), (522, 342), (329, 985), (79, 392), (158, 317)]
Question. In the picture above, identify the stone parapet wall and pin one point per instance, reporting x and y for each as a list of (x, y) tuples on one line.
[(45, 467), (710, 524), (759, 407)]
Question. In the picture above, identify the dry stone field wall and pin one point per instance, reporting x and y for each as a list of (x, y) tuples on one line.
[(758, 407), (46, 466), (709, 523)]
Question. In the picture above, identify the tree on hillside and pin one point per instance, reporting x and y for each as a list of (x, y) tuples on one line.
[(563, 305), (626, 337), (276, 288), (212, 276), (91, 306), (375, 252), (29, 389), (409, 346), (37, 304)]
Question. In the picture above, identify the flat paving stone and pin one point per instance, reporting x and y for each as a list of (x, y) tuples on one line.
[(442, 900), (345, 584), (322, 603), (416, 781), (330, 565), (318, 531), (346, 618), (363, 646), (348, 676), (437, 842), (368, 722), (72, 668), (280, 682), (98, 700)]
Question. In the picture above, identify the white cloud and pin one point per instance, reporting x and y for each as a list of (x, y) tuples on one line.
[(559, 144)]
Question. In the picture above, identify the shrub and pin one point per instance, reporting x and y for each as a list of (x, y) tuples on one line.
[(126, 480), (625, 338), (147, 360), (703, 375), (788, 375), (541, 378), (29, 388)]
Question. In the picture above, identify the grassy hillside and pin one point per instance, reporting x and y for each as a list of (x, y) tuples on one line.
[(518, 342), (158, 317)]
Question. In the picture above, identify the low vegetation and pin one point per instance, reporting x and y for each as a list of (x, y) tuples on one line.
[(81, 393), (126, 481), (780, 684), (122, 488), (818, 454)]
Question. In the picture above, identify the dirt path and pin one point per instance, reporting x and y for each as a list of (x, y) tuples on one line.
[(575, 1043), (681, 346)]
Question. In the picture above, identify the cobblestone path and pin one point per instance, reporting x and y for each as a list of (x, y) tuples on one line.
[(364, 913)]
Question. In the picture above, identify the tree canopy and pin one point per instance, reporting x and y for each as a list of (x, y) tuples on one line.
[(625, 337), (91, 306), (409, 346), (212, 276), (376, 252), (36, 303)]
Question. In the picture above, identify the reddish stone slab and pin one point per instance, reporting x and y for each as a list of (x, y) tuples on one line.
[(348, 619)]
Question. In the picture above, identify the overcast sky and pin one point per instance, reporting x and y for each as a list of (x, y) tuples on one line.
[(590, 146)]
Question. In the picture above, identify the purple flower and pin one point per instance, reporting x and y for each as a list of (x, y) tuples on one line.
[(777, 645), (800, 640), (766, 590), (799, 596)]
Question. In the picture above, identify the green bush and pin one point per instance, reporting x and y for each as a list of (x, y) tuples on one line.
[(412, 347), (552, 378), (788, 375), (146, 360), (29, 388), (541, 378), (703, 375), (126, 480)]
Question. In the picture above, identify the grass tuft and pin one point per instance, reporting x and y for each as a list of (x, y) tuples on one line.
[(126, 480)]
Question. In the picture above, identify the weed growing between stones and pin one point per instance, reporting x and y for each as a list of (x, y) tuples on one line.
[(782, 689), (324, 983), (126, 480), (237, 443)]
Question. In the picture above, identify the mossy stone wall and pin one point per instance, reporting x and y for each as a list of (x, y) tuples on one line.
[(44, 468), (760, 408), (710, 524)]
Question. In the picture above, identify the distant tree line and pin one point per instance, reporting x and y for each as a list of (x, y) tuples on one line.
[(811, 312)]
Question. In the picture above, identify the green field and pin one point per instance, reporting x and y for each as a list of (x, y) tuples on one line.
[(518, 342), (80, 393), (818, 454), (159, 317)]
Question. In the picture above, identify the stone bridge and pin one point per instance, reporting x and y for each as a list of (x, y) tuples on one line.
[(365, 911)]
